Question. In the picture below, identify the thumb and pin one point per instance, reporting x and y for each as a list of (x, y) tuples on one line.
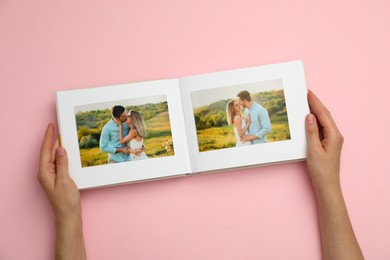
[(312, 132), (61, 163)]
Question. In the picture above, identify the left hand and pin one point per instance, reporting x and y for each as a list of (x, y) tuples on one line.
[(60, 189), (245, 138)]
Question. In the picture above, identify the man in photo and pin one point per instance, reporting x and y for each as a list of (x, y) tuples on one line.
[(260, 124), (109, 138)]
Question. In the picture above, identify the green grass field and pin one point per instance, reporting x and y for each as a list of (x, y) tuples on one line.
[(154, 147), (223, 137), (159, 140), (92, 157), (158, 143)]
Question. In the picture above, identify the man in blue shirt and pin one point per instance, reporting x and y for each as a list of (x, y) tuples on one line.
[(109, 138), (260, 124)]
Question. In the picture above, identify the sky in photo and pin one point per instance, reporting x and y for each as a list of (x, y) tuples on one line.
[(126, 102), (207, 96)]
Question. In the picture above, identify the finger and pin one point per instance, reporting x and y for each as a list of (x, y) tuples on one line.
[(312, 133), (55, 145), (61, 163), (322, 114), (333, 139), (47, 145)]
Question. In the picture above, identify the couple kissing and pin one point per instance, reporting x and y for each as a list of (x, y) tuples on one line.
[(122, 137), (253, 126)]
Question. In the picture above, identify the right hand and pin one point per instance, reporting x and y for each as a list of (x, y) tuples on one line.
[(324, 144), (138, 152), (124, 150)]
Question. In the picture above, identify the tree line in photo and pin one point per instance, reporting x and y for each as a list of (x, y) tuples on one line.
[(214, 133), (90, 124)]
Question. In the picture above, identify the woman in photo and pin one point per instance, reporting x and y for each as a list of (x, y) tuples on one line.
[(135, 137), (234, 116)]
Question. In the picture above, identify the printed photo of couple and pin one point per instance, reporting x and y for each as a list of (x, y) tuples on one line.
[(123, 131), (241, 115)]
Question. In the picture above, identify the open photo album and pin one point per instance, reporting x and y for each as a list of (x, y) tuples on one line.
[(178, 127)]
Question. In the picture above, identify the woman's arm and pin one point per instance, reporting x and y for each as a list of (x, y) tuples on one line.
[(247, 123), (128, 137), (323, 163), (238, 124), (64, 198)]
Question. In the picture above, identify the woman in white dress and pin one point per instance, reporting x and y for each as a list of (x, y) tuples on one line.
[(235, 118), (135, 137)]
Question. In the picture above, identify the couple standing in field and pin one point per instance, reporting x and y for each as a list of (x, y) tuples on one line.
[(122, 137), (253, 126)]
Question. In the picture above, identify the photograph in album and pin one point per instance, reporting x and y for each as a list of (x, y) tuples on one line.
[(123, 130), (240, 115)]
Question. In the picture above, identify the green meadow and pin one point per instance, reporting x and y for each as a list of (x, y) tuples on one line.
[(158, 142), (211, 124), (215, 138)]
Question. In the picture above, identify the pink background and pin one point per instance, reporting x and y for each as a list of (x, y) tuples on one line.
[(262, 213)]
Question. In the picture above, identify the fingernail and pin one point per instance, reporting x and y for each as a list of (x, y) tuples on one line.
[(60, 151), (310, 119)]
